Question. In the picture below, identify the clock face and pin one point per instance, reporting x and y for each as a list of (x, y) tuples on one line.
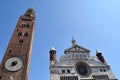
[(82, 69), (13, 64)]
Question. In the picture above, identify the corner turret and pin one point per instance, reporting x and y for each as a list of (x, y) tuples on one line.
[(100, 57), (52, 55)]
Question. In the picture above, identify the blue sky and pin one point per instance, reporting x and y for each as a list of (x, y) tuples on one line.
[(95, 24)]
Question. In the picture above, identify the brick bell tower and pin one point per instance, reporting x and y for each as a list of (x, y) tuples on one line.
[(15, 63)]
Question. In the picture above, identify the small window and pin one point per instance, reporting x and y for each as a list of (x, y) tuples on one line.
[(27, 25), (23, 25), (0, 77), (20, 34), (17, 29), (26, 34), (63, 71), (101, 70), (68, 71), (20, 41), (10, 51), (104, 70)]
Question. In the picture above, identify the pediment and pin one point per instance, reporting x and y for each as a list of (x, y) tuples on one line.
[(77, 48)]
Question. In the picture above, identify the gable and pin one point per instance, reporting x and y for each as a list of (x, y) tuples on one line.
[(78, 49)]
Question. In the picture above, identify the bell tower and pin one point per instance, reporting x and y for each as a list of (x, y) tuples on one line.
[(15, 63)]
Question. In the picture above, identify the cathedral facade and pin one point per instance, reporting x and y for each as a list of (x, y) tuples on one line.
[(78, 64)]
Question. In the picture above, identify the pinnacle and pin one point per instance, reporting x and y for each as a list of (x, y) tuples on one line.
[(73, 42)]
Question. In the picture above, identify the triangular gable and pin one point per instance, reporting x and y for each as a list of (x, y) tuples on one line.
[(77, 48)]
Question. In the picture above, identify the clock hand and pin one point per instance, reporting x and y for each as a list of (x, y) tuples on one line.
[(14, 63)]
